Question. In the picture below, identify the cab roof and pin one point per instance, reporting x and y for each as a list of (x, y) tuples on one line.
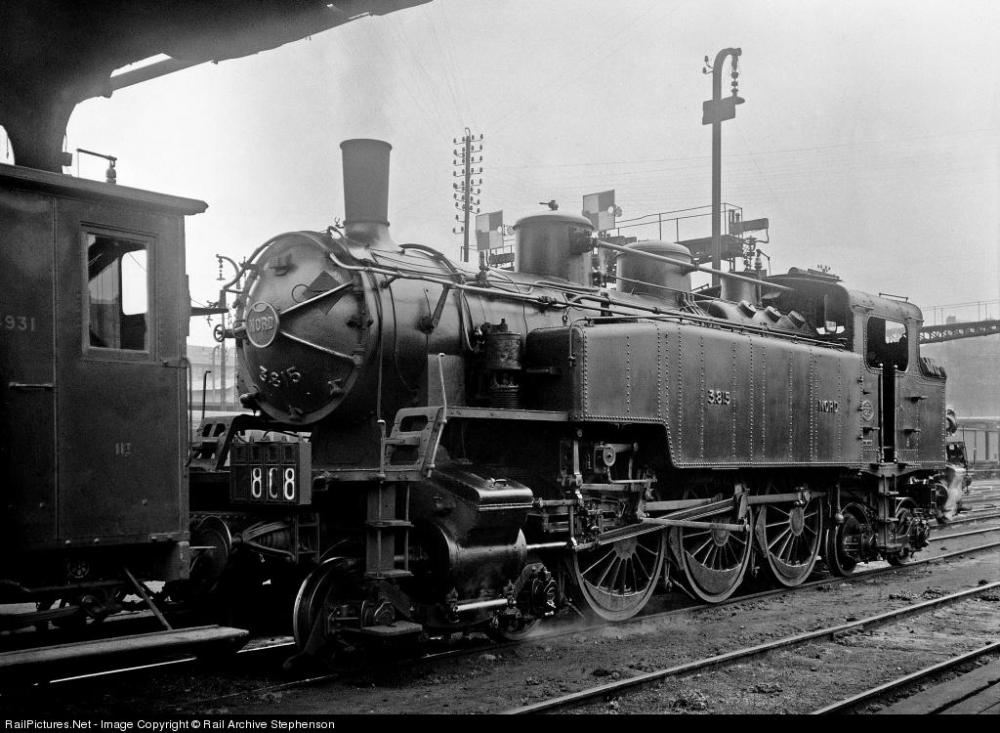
[(813, 281)]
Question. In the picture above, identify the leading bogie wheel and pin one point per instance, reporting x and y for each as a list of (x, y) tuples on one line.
[(308, 625)]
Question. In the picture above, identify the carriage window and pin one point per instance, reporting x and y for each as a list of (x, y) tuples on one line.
[(117, 293), (887, 343)]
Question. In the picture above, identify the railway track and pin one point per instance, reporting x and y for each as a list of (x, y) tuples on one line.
[(968, 517), (285, 644), (254, 647), (831, 632), (939, 703), (969, 533), (646, 618), (280, 645)]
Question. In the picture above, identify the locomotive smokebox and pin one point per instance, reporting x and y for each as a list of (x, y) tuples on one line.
[(646, 276), (555, 245), (366, 191)]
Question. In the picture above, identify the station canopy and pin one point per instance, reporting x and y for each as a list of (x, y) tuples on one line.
[(57, 53)]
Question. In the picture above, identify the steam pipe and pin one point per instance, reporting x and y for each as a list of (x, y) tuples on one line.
[(222, 318), (540, 301)]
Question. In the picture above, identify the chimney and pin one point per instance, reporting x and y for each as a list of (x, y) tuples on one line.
[(366, 191)]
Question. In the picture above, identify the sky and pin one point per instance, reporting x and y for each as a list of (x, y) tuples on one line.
[(870, 136)]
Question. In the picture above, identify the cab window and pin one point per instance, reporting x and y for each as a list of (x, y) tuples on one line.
[(887, 344), (117, 296)]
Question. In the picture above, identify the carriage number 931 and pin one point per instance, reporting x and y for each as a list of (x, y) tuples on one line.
[(12, 322), (718, 397)]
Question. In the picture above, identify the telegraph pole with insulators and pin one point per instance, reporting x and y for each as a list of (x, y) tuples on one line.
[(467, 188)]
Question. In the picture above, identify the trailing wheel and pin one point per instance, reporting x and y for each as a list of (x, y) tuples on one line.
[(713, 561), (788, 535), (845, 541), (901, 531), (616, 580)]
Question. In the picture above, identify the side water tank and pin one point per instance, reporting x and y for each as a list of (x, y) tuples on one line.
[(659, 279), (554, 244)]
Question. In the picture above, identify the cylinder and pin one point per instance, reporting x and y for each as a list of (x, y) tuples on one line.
[(473, 561), (555, 245), (646, 276)]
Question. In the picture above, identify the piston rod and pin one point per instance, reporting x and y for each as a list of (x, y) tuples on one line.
[(565, 544), (476, 605)]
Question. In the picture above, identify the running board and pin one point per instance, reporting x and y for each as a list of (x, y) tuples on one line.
[(89, 657)]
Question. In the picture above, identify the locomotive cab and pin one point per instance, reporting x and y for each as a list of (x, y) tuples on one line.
[(902, 407)]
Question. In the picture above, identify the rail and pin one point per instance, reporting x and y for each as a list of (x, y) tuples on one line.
[(832, 632)]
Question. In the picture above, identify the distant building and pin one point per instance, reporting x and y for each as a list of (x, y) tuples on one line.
[(971, 364), (982, 440), (206, 372)]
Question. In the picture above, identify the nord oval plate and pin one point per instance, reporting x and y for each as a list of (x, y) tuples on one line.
[(262, 324)]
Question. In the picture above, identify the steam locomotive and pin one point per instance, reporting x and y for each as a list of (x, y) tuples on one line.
[(436, 449), (480, 448)]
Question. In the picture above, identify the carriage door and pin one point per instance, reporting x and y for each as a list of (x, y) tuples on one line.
[(27, 392), (887, 349), (120, 389)]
